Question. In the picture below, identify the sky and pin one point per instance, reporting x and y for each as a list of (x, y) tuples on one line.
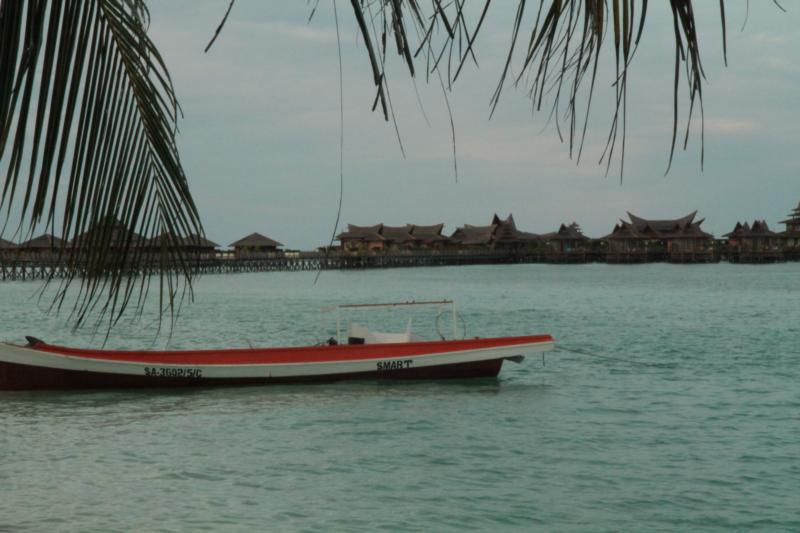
[(260, 135)]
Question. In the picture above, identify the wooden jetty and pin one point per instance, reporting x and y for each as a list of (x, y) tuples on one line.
[(299, 261)]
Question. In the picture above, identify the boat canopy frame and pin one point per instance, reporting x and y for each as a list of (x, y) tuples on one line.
[(388, 305)]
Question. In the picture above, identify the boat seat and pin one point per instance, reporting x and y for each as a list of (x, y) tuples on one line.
[(358, 334)]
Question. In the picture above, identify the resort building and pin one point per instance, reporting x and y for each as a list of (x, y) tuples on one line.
[(396, 238), (428, 237), (381, 238), (678, 240), (256, 246), (109, 233), (193, 247), (361, 238), (7, 249), (753, 244), (44, 248), (791, 237), (568, 244), (499, 235)]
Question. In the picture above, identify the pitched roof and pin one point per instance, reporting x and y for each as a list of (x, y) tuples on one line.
[(664, 225), (500, 231), (642, 228), (624, 230), (468, 234), (794, 216), (758, 229), (506, 229), (45, 241), (190, 241), (362, 233), (694, 232), (396, 233), (109, 228), (256, 240), (572, 232), (4, 244), (428, 233)]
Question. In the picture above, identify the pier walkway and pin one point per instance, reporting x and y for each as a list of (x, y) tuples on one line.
[(302, 261)]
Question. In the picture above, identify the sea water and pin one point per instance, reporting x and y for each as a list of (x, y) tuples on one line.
[(673, 404)]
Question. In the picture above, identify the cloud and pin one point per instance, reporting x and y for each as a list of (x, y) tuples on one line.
[(304, 34), (779, 63), (730, 126)]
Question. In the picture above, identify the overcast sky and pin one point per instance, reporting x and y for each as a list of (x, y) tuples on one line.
[(260, 137)]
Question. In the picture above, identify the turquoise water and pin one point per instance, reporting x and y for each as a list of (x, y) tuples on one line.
[(694, 426)]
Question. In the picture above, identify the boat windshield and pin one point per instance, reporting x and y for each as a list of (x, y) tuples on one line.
[(359, 333)]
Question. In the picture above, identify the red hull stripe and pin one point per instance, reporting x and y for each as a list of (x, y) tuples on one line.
[(305, 354)]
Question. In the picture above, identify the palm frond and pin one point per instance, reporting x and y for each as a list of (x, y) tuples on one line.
[(88, 115), (560, 53)]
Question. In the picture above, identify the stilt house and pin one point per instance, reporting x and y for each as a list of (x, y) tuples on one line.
[(383, 238), (566, 245), (678, 240), (499, 235), (7, 250), (194, 247), (255, 246), (44, 248), (754, 244)]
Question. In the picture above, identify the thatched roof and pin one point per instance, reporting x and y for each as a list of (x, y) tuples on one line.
[(468, 234), (499, 231), (42, 242), (362, 233), (427, 233), (392, 234), (572, 232), (642, 228), (110, 232), (662, 226), (6, 245), (624, 231), (694, 232), (745, 231), (191, 241), (398, 234), (256, 240)]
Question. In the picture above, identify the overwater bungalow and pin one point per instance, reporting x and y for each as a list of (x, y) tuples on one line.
[(428, 237), (44, 248), (754, 244), (362, 238), (567, 245), (501, 234), (397, 238), (678, 240), (791, 236), (109, 233), (193, 247), (384, 238), (7, 249), (256, 246)]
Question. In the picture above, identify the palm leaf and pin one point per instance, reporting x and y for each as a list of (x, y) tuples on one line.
[(88, 115), (560, 56)]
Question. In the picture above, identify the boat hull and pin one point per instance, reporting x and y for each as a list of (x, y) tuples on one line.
[(45, 367), (25, 377)]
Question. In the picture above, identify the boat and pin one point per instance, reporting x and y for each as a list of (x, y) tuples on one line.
[(364, 354)]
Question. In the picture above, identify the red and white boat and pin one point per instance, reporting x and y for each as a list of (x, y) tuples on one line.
[(366, 355)]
